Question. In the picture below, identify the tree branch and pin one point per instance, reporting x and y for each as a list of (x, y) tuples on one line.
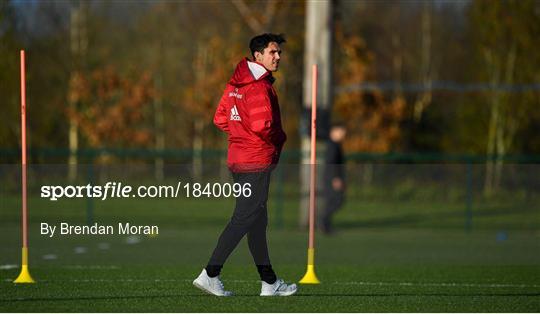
[(247, 14)]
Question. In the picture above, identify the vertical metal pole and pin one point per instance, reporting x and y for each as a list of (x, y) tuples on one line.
[(468, 205), (90, 200), (318, 50), (279, 201)]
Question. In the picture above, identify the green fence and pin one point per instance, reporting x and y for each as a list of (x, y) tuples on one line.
[(51, 155), (384, 190)]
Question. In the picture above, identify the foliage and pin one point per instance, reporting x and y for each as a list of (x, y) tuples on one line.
[(182, 53), (373, 122), (113, 108)]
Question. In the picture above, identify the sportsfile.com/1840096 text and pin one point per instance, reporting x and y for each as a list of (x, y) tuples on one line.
[(120, 190)]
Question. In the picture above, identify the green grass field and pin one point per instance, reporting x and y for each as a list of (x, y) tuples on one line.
[(388, 256)]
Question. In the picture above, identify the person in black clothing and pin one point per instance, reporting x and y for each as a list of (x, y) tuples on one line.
[(334, 177)]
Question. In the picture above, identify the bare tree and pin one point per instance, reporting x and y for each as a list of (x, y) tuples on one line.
[(424, 98), (79, 44), (257, 25)]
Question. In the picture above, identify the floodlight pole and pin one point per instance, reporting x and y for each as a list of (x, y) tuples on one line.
[(24, 276), (310, 277)]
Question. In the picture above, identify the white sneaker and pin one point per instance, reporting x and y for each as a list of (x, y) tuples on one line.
[(278, 288), (211, 285)]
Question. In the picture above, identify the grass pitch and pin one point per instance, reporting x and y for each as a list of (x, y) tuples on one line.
[(376, 289), (386, 257)]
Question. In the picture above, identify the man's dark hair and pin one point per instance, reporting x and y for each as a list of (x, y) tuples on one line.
[(258, 43), (338, 125)]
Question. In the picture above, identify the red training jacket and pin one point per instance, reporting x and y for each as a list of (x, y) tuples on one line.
[(249, 113)]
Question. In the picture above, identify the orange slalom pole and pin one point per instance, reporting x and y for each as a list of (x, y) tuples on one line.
[(24, 276), (313, 160), (23, 148), (310, 277)]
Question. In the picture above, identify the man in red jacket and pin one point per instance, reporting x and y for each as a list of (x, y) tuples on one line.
[(249, 113)]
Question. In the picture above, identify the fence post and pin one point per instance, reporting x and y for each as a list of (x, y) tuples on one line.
[(468, 199), (278, 221), (90, 200)]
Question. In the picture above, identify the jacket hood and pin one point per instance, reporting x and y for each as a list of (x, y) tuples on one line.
[(247, 72)]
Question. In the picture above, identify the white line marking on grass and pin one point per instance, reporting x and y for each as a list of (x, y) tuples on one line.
[(359, 283), (104, 246), (120, 280), (133, 239), (49, 256), (439, 284), (80, 250), (91, 267), (8, 266)]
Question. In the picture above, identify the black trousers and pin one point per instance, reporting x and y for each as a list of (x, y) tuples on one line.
[(333, 202), (250, 218)]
